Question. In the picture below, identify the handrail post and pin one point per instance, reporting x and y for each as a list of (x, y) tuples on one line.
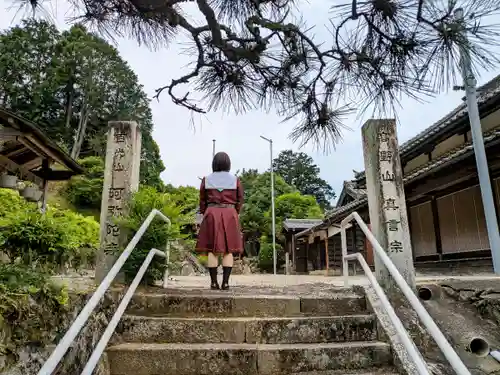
[(167, 261), (405, 338), (441, 341), (110, 329), (345, 265)]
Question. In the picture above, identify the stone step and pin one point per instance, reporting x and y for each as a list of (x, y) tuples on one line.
[(288, 330), (245, 359), (225, 304), (379, 371)]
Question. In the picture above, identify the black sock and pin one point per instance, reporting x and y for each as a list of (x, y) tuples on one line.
[(226, 272), (213, 276)]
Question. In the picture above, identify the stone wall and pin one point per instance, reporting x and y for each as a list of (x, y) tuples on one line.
[(28, 359), (484, 296), (463, 310)]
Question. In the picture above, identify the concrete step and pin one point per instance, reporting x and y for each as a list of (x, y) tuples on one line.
[(245, 359), (287, 330), (225, 304)]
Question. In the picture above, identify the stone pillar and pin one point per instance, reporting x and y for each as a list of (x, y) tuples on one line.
[(121, 179), (386, 199)]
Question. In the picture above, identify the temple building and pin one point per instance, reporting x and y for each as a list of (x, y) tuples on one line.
[(443, 197)]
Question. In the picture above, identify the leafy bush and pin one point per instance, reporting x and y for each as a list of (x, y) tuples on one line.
[(146, 199), (266, 258), (203, 259), (31, 308), (51, 241), (86, 191)]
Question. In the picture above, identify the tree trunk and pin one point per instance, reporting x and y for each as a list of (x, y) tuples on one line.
[(84, 116), (80, 133)]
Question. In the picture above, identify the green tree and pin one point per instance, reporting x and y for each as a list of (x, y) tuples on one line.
[(249, 54), (247, 178), (187, 197), (71, 84), (85, 191), (288, 206), (298, 169), (253, 218), (297, 206)]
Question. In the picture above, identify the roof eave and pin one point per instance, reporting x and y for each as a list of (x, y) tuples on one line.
[(22, 122), (414, 145)]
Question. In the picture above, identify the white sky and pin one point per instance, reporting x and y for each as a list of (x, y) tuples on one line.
[(187, 152)]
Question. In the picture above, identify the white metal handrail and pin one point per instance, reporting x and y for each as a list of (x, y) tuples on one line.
[(443, 344), (63, 346), (110, 329)]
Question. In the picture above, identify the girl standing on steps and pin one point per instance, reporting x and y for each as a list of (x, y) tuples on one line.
[(221, 199)]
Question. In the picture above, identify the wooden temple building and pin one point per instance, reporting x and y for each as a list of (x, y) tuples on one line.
[(27, 153), (443, 198)]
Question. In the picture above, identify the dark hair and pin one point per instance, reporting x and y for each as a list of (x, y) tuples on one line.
[(221, 162)]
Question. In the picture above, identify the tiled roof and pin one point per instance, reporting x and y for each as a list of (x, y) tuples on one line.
[(301, 223), (485, 93), (353, 190), (464, 150)]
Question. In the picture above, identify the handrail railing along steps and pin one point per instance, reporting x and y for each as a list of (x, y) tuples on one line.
[(443, 344)]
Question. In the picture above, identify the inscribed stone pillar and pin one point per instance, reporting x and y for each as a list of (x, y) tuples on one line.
[(386, 199), (121, 179)]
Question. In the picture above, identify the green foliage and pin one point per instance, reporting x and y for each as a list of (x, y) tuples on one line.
[(266, 256), (146, 199), (71, 84), (187, 197), (256, 217), (298, 170), (203, 259), (85, 191), (51, 241), (253, 218), (31, 308), (297, 206)]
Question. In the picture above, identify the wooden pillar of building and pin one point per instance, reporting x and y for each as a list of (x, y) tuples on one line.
[(327, 258)]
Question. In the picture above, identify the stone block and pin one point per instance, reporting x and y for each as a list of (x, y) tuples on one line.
[(266, 305), (342, 304), (162, 304), (181, 330), (247, 329), (214, 305), (244, 359), (311, 329), (182, 359), (286, 359)]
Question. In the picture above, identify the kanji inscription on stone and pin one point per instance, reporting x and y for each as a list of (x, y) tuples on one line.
[(386, 199), (121, 179)]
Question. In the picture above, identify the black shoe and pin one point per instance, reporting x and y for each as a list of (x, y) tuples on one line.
[(214, 285), (226, 272)]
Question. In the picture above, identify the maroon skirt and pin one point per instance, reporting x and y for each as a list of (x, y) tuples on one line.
[(220, 232)]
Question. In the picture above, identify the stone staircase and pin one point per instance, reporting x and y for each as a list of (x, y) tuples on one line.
[(312, 330)]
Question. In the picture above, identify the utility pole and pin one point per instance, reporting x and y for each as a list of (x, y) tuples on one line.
[(272, 202), (478, 143), (213, 148)]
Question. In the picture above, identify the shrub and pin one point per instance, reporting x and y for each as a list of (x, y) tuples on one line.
[(51, 241), (146, 199), (266, 258), (203, 259), (86, 191), (31, 308)]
